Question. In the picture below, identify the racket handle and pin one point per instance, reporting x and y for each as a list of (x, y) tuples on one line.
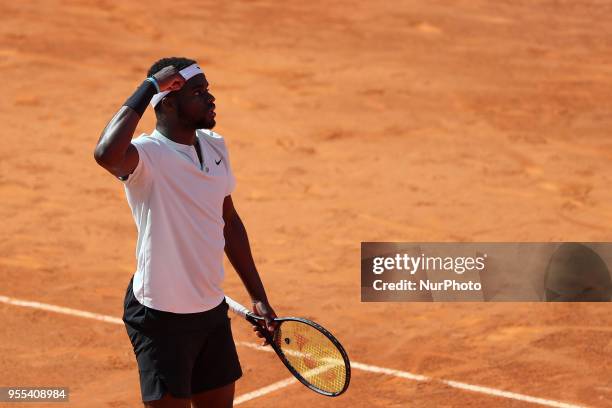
[(237, 307)]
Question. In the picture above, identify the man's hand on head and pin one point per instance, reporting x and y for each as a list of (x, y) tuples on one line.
[(169, 79)]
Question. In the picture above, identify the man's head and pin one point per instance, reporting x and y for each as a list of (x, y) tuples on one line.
[(192, 106)]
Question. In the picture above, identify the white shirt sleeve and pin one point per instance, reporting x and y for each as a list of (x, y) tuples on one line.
[(142, 176)]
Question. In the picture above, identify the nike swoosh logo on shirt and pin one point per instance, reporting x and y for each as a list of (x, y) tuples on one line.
[(217, 162)]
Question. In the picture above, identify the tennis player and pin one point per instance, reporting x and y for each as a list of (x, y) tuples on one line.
[(178, 182)]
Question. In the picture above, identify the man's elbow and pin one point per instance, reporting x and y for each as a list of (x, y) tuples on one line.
[(99, 155), (103, 157)]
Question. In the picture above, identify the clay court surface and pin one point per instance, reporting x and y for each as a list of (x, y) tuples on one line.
[(346, 122)]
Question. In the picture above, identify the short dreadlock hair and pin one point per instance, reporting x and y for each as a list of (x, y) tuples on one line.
[(178, 63)]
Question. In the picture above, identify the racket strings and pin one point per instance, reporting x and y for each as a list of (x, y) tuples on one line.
[(313, 355)]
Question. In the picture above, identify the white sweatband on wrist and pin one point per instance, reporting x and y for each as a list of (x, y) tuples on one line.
[(186, 73)]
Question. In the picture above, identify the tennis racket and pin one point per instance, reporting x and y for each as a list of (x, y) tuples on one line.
[(311, 353)]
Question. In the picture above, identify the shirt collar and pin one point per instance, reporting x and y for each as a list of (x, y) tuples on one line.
[(176, 146)]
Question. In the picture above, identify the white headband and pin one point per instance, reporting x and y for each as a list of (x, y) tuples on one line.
[(186, 73)]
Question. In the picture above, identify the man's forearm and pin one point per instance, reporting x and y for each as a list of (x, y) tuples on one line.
[(238, 252)]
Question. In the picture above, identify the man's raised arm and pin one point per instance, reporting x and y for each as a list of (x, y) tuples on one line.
[(114, 150)]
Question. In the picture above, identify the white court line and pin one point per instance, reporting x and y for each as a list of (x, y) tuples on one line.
[(265, 390), (287, 382), (454, 384), (277, 385), (60, 309), (506, 394)]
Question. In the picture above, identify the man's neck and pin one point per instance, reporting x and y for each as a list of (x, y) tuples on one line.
[(177, 135)]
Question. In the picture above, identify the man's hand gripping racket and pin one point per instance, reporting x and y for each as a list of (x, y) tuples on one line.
[(311, 353)]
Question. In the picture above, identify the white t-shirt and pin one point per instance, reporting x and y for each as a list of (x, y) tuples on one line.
[(177, 205)]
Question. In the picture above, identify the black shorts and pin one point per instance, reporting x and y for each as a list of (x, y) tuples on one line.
[(182, 354)]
